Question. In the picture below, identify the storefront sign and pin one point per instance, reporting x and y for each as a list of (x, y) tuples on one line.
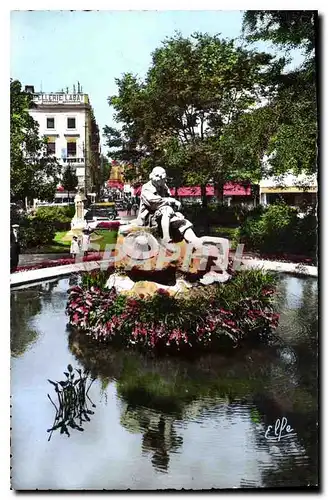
[(58, 98)]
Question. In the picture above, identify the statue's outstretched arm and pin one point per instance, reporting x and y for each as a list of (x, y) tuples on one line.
[(153, 200)]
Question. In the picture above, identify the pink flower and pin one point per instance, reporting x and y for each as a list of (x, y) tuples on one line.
[(133, 302), (108, 225), (75, 317)]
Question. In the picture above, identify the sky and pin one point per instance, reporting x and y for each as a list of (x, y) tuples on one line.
[(55, 49)]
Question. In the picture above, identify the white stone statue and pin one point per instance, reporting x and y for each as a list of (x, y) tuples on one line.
[(78, 220), (158, 207)]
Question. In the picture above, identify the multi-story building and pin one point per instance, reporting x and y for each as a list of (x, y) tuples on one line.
[(294, 190), (67, 120)]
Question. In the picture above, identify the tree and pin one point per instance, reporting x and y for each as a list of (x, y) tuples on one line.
[(105, 169), (33, 173), (194, 90), (69, 180), (291, 29), (291, 127)]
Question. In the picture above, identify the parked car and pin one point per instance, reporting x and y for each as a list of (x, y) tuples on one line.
[(101, 211), (122, 204)]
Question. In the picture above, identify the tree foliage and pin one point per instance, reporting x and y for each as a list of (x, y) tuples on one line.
[(33, 173), (69, 180), (210, 111), (181, 114), (291, 127), (105, 169), (291, 29)]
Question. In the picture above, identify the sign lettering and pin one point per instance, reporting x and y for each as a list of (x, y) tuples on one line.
[(58, 98)]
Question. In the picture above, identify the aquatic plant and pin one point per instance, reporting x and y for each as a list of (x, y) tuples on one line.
[(72, 401)]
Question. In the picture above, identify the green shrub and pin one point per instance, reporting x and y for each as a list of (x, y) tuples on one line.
[(60, 216), (95, 279), (214, 214), (243, 213), (306, 234), (35, 232)]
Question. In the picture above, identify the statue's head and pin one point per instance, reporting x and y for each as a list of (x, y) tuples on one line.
[(158, 176)]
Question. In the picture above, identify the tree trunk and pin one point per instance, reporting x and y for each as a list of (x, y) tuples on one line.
[(203, 195), (255, 190)]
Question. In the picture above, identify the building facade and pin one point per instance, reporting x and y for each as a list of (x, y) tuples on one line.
[(67, 121), (294, 190)]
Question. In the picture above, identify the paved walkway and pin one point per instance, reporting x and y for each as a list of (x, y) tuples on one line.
[(29, 259)]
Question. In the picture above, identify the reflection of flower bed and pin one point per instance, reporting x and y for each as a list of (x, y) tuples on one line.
[(167, 383), (207, 318)]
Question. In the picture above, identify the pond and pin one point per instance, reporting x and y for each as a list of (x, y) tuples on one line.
[(164, 423)]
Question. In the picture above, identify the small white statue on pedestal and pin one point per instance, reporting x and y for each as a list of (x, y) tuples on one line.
[(78, 221)]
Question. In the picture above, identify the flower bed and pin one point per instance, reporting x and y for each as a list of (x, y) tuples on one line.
[(112, 225), (208, 318)]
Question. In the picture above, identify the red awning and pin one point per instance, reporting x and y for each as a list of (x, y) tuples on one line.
[(60, 188), (193, 191), (235, 189), (115, 184), (230, 189)]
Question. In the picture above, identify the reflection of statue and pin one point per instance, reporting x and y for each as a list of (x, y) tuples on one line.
[(159, 435), (161, 440), (158, 207)]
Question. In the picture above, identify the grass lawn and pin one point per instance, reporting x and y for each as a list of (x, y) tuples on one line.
[(59, 246), (107, 238)]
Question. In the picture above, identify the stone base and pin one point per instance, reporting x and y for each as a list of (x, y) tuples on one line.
[(126, 286), (175, 255)]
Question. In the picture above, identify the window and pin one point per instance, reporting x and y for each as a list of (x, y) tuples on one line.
[(71, 149), (51, 148), (50, 123), (71, 123)]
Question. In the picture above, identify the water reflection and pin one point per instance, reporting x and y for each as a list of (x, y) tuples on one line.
[(25, 304), (159, 437), (159, 395)]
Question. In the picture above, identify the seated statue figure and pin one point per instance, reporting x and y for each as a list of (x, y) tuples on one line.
[(157, 207)]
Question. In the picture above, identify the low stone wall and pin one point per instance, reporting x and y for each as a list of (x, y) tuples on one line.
[(20, 278)]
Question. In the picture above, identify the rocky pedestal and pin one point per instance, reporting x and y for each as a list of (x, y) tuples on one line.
[(139, 249), (144, 265), (145, 288)]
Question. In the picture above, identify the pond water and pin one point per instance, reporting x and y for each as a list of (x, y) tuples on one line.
[(164, 423)]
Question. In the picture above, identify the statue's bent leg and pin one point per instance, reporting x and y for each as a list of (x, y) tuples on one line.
[(165, 214), (185, 228), (191, 238)]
